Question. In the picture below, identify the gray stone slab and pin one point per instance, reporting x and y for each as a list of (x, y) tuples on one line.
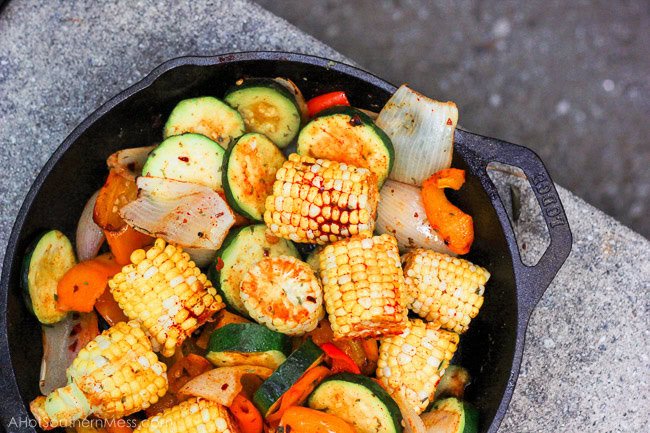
[(585, 367), (568, 78)]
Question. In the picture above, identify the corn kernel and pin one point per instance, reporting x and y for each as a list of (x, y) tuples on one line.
[(444, 289), (409, 364)]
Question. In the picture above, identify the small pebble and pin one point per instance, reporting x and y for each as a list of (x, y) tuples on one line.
[(562, 107), (549, 343), (608, 85)]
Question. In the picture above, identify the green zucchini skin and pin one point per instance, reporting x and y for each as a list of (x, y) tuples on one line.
[(46, 260), (355, 389), (250, 343), (188, 158), (298, 363), (241, 249), (468, 415), (281, 129), (366, 145), (207, 116), (249, 168)]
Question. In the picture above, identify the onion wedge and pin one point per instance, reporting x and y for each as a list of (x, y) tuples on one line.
[(200, 256), (401, 213), (90, 236), (128, 163), (454, 226), (222, 384), (61, 344), (422, 132), (179, 212), (412, 421)]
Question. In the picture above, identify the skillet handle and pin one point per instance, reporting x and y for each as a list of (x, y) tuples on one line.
[(478, 152)]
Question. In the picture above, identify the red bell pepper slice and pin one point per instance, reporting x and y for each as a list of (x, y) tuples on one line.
[(321, 102), (340, 361)]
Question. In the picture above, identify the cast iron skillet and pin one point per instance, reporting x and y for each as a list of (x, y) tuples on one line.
[(491, 350)]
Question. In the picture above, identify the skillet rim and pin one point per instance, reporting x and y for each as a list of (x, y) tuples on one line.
[(8, 385)]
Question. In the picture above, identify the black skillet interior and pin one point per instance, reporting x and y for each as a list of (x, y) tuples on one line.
[(134, 118)]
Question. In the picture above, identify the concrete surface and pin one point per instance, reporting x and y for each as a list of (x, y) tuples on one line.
[(570, 79), (586, 365)]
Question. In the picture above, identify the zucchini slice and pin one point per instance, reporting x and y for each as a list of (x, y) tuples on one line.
[(451, 415), (249, 172), (346, 134), (47, 259), (267, 107), (248, 344), (188, 157), (240, 250), (358, 400), (298, 363), (206, 116), (453, 382)]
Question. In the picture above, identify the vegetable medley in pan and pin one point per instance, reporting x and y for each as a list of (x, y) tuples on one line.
[(273, 265)]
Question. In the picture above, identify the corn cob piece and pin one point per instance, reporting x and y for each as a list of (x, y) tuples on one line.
[(364, 286), (167, 293), (115, 375), (413, 362), (444, 289), (320, 201), (195, 415), (283, 294)]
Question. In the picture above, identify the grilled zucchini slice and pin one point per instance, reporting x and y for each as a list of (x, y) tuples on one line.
[(267, 107), (47, 259), (249, 172), (207, 116), (248, 344)]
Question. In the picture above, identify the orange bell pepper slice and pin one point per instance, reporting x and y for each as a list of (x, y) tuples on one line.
[(298, 393), (304, 420), (454, 226), (109, 309), (247, 417), (80, 287), (116, 193), (124, 241)]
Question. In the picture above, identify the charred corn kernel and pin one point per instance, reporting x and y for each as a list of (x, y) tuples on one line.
[(364, 286), (413, 362), (115, 375), (195, 415), (283, 294), (444, 289), (164, 290), (320, 201)]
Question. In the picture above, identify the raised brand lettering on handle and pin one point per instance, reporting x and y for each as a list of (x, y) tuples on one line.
[(548, 199)]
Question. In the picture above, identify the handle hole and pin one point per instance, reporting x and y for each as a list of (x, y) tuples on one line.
[(524, 211)]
